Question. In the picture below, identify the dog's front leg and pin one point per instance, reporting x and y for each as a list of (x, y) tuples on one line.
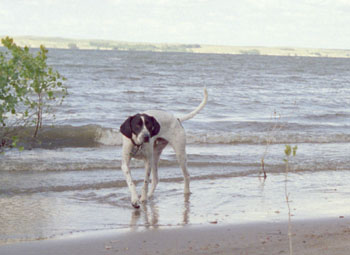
[(129, 181), (148, 166), (146, 181)]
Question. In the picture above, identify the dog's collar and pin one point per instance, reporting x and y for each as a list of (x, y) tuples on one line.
[(136, 148), (135, 144)]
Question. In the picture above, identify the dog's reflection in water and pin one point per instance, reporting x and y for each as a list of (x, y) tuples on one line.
[(149, 216)]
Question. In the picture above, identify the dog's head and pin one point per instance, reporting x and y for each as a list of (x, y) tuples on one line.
[(140, 128)]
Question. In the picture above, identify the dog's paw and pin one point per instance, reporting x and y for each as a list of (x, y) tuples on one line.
[(135, 205)]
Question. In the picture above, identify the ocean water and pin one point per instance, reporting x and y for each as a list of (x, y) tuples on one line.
[(71, 181)]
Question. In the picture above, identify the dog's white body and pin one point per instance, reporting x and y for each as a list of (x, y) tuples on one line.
[(170, 131)]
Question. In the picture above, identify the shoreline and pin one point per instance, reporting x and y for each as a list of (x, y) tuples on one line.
[(112, 45), (322, 236)]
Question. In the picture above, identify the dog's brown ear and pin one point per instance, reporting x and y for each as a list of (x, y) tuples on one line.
[(155, 127), (125, 128)]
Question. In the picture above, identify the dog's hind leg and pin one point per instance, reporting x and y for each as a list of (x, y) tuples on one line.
[(182, 159), (180, 149), (159, 146), (154, 176)]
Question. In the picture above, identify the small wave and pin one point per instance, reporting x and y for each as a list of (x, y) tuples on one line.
[(35, 163), (329, 116), (108, 136), (68, 136), (129, 78), (58, 136), (241, 170), (94, 135), (262, 138), (64, 188), (113, 137)]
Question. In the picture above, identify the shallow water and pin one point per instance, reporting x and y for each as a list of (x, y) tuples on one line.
[(58, 211), (71, 180)]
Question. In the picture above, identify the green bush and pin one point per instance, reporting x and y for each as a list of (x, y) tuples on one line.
[(28, 86)]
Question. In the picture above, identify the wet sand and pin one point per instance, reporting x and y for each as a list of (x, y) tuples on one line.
[(323, 236)]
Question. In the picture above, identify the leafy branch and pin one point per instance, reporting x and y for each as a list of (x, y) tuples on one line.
[(28, 87)]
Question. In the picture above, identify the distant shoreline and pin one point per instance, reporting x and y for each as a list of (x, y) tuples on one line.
[(91, 44)]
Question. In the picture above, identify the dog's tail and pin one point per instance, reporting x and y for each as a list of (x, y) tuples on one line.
[(200, 107)]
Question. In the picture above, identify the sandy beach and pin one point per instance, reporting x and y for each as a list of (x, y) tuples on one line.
[(327, 236)]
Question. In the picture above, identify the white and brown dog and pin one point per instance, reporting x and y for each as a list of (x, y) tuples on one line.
[(145, 136)]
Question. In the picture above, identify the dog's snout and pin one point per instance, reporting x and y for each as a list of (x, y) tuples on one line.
[(146, 138)]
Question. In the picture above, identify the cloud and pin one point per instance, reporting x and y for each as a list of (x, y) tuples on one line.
[(310, 23)]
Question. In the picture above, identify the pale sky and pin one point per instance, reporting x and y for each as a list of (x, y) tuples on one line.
[(295, 23)]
